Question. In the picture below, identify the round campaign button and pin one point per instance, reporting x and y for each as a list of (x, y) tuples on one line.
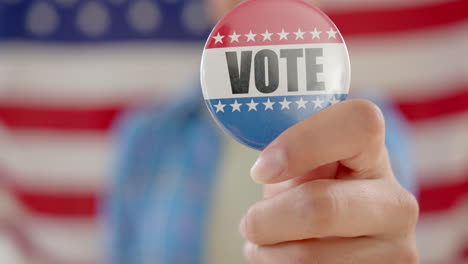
[(269, 64)]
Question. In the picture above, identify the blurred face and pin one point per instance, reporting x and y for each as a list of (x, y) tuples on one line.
[(219, 8)]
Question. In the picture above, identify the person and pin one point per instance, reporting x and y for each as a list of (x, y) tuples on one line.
[(329, 196), (61, 89)]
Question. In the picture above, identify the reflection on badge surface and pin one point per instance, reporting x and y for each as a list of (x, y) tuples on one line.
[(269, 64)]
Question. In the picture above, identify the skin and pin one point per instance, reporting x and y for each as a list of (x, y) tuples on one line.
[(330, 195)]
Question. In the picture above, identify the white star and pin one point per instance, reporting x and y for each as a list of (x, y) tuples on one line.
[(234, 37), (267, 35), (299, 34), (219, 107), (251, 36), (316, 33), (334, 101), (318, 103), (236, 106), (218, 38), (331, 33), (252, 105), (301, 104), (285, 104), (268, 104), (283, 35)]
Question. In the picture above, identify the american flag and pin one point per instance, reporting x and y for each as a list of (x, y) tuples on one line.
[(68, 67)]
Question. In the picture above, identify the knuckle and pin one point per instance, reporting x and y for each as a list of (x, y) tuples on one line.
[(409, 206), (408, 254), (318, 207), (249, 225), (369, 118), (411, 257)]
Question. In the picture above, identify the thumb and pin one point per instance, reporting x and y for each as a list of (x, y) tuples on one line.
[(350, 132)]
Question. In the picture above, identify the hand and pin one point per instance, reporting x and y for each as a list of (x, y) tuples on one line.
[(330, 195)]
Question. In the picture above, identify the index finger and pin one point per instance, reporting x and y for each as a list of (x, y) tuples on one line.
[(351, 132)]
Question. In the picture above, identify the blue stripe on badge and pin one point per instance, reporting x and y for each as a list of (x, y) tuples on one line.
[(256, 121)]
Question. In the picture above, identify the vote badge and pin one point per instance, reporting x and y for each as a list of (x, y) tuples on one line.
[(270, 64)]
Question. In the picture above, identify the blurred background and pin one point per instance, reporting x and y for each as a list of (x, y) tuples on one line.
[(69, 68)]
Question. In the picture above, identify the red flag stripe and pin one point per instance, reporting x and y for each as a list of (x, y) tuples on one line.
[(58, 118), (69, 205), (52, 203), (464, 253), (428, 108), (381, 21), (441, 197)]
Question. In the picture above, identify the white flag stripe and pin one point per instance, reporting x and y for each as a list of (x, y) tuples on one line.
[(9, 252), (9, 207), (95, 74), (53, 237), (437, 148), (436, 241), (79, 161), (216, 82), (412, 64), (332, 5)]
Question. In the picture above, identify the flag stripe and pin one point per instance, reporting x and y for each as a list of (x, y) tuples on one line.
[(70, 205), (63, 205), (82, 75), (436, 144), (464, 252), (39, 159), (442, 196), (429, 108), (58, 118), (429, 62), (350, 6), (441, 236), (377, 21), (15, 228)]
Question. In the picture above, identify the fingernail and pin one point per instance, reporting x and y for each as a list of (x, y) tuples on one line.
[(270, 165)]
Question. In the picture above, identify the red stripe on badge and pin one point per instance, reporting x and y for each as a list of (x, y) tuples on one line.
[(58, 118), (265, 22), (428, 108), (381, 21), (442, 196)]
